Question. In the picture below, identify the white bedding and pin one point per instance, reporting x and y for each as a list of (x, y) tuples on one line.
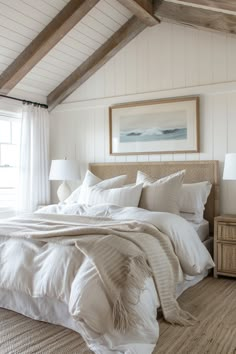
[(89, 311), (202, 229), (192, 255)]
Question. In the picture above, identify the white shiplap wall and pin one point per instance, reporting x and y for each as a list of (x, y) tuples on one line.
[(164, 61)]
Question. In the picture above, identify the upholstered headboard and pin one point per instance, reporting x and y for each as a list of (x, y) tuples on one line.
[(196, 171)]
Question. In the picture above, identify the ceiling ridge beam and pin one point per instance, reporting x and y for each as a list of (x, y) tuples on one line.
[(197, 17), (224, 5), (143, 9), (104, 53), (60, 25)]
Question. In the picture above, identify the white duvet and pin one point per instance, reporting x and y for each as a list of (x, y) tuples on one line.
[(84, 305)]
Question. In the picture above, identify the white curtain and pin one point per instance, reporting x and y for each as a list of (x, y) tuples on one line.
[(34, 186)]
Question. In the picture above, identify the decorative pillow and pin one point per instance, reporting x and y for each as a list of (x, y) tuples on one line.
[(161, 195), (90, 179), (192, 200), (115, 182), (127, 196)]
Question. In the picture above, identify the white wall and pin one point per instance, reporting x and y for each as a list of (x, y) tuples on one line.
[(164, 61)]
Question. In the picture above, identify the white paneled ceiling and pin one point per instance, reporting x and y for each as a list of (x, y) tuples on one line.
[(22, 20), (87, 36)]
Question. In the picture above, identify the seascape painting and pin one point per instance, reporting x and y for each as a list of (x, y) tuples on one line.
[(155, 127)]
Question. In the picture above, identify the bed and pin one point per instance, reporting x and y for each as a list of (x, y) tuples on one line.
[(95, 270)]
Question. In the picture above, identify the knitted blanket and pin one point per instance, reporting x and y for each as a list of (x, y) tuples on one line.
[(124, 254)]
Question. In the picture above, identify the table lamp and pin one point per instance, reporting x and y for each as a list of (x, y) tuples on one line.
[(64, 170), (230, 167)]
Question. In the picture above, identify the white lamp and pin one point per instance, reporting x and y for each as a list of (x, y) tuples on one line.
[(230, 167), (62, 170)]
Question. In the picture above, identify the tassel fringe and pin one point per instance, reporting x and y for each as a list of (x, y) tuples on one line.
[(137, 271)]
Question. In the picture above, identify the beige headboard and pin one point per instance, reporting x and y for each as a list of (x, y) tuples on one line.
[(196, 171)]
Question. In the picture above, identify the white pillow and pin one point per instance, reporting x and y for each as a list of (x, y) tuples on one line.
[(74, 197), (127, 196), (192, 200), (90, 179), (160, 195)]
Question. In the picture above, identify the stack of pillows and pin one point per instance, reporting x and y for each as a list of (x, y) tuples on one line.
[(167, 194)]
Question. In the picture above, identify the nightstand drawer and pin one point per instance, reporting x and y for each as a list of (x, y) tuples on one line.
[(226, 232), (226, 258)]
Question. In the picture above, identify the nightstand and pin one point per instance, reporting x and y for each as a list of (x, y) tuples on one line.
[(225, 245)]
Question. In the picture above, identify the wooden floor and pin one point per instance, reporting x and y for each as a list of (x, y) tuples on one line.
[(213, 302)]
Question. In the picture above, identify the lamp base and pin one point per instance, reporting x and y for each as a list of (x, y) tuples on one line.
[(63, 191)]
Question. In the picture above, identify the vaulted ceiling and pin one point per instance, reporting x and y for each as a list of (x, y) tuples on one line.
[(50, 47)]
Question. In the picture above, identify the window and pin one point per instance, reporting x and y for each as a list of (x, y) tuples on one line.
[(9, 160)]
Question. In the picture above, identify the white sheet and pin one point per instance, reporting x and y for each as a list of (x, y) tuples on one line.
[(92, 318), (202, 229)]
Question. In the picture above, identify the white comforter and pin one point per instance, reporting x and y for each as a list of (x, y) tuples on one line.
[(86, 300)]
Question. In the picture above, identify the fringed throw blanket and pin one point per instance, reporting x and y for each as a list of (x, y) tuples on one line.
[(124, 255)]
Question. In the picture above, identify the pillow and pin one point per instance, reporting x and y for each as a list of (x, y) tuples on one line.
[(90, 179), (193, 198), (74, 196), (161, 195), (127, 196)]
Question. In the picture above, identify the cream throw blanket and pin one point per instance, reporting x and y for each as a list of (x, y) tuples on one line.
[(124, 254)]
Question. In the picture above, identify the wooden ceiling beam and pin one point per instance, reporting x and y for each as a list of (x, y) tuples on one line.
[(67, 18), (196, 17), (118, 40), (227, 5), (143, 9)]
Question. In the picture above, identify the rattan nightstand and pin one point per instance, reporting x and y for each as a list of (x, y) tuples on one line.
[(225, 245)]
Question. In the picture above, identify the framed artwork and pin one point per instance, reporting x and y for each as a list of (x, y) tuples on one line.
[(155, 127)]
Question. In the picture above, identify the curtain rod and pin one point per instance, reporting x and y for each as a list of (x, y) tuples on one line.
[(25, 101)]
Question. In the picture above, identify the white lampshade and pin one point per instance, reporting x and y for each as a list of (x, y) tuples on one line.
[(64, 170), (230, 167)]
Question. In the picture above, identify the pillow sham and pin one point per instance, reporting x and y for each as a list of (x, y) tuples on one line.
[(127, 196), (192, 200), (162, 194), (90, 179)]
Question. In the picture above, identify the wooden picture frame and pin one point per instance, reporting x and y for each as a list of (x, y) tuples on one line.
[(155, 127)]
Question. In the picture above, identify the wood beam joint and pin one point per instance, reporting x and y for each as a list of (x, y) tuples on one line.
[(143, 9)]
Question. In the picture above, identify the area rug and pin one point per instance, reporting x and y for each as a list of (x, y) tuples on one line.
[(21, 335)]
